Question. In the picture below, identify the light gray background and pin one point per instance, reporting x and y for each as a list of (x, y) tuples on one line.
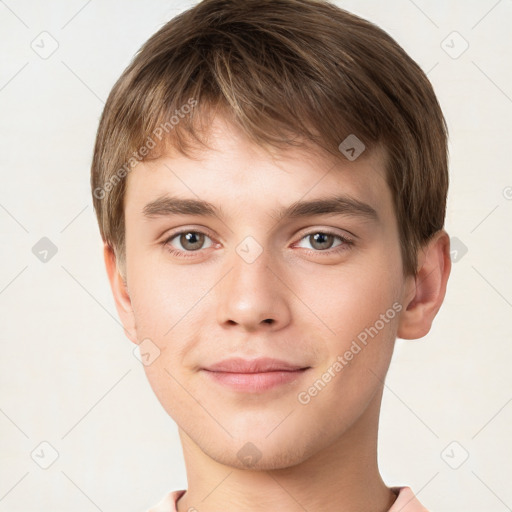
[(68, 374)]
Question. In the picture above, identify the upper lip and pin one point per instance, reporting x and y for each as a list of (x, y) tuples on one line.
[(263, 364)]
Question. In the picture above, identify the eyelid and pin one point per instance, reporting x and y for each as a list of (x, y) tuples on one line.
[(187, 229), (328, 231), (343, 233)]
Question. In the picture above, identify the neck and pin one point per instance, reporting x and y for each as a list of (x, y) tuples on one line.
[(342, 476)]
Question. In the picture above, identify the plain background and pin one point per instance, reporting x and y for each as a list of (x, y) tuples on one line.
[(69, 376)]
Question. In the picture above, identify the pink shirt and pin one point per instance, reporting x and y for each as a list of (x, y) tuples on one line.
[(405, 502)]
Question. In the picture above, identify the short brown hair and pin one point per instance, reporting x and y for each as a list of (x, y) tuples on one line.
[(284, 71)]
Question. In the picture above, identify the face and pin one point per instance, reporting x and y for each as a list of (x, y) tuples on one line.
[(320, 289)]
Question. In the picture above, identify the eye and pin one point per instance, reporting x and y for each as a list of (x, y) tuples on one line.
[(190, 241), (186, 241), (321, 241)]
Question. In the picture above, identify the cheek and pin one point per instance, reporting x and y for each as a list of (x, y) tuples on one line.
[(164, 295), (355, 360), (357, 313), (343, 301)]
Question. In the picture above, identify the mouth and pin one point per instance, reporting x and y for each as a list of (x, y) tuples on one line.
[(254, 376), (260, 365)]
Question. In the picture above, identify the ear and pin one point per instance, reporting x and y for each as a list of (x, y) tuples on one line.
[(427, 289), (120, 292)]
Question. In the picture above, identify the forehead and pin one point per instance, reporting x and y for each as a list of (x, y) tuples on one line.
[(236, 173)]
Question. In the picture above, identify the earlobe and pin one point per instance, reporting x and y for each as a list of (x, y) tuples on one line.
[(120, 292), (428, 288)]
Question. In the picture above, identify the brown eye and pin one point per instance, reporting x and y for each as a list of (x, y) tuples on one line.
[(191, 241), (187, 241), (321, 241)]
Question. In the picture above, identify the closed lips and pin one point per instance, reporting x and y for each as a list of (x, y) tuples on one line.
[(261, 365)]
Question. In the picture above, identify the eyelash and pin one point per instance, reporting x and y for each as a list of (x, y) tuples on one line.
[(346, 244)]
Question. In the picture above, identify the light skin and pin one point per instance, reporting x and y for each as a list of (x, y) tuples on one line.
[(304, 299)]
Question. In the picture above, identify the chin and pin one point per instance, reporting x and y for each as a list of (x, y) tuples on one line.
[(257, 457)]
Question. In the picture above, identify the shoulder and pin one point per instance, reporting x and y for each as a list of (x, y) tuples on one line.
[(168, 502), (406, 501)]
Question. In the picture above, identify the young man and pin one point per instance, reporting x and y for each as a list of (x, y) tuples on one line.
[(270, 182)]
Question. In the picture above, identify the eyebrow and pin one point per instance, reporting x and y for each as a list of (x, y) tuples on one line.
[(165, 206)]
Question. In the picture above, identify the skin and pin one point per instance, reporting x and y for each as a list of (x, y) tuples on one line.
[(213, 305)]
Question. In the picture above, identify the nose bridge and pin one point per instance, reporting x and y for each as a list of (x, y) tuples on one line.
[(251, 295)]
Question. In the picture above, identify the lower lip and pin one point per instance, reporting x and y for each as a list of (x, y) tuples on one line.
[(255, 382)]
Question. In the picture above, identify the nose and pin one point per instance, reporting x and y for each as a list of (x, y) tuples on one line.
[(252, 296)]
